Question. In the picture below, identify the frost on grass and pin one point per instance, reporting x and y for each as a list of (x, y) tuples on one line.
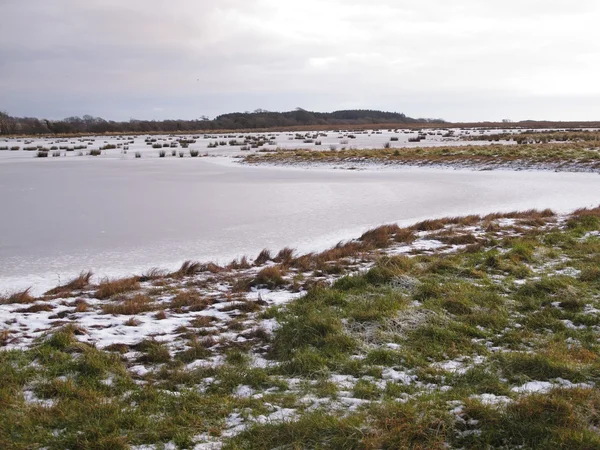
[(461, 333)]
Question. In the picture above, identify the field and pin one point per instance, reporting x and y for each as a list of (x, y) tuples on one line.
[(462, 332), (458, 331)]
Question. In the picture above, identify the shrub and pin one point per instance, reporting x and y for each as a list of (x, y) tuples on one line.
[(138, 155), (162, 154), (95, 152), (42, 154), (194, 153)]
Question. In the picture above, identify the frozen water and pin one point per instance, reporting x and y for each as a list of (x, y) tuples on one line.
[(121, 216)]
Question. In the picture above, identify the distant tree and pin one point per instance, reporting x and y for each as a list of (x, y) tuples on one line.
[(8, 124)]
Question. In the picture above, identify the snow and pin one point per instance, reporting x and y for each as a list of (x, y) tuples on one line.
[(401, 376)]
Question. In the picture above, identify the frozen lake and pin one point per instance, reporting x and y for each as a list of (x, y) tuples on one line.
[(122, 216)]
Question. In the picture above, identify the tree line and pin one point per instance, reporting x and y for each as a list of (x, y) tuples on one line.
[(258, 119)]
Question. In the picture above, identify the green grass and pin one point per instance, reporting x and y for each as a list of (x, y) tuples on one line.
[(498, 308)]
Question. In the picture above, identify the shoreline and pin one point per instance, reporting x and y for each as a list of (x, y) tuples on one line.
[(283, 339)]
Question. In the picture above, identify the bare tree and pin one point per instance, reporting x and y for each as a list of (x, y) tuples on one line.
[(8, 125)]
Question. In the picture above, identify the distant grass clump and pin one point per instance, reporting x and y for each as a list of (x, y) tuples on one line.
[(76, 284), (108, 288), (129, 306), (269, 277), (23, 296)]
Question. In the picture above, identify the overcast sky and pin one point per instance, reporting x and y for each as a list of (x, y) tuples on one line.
[(461, 60)]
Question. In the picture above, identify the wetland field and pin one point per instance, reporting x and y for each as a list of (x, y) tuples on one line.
[(331, 289)]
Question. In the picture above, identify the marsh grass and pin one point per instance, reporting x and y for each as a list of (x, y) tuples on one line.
[(423, 339), (558, 156), (76, 284), (23, 296), (263, 257), (269, 277), (130, 306), (108, 288)]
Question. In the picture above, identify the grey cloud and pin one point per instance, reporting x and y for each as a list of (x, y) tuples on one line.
[(172, 59)]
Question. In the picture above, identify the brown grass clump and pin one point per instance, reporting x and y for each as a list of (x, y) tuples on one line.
[(132, 322), (382, 236), (270, 277), (18, 297), (458, 239), (109, 288), (161, 315), (529, 214), (81, 306), (241, 264), (76, 284), (202, 321), (190, 300), (38, 307), (284, 256), (4, 337), (188, 268), (263, 257), (584, 212), (430, 225), (152, 274), (130, 306)]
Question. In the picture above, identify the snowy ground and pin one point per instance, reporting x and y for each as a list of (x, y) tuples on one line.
[(227, 308)]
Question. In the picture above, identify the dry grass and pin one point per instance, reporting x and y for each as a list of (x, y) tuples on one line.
[(109, 288), (152, 274), (81, 306), (4, 337), (188, 268), (160, 315), (18, 297), (381, 236), (76, 284), (270, 277), (132, 322), (38, 307), (130, 306), (202, 321), (241, 264), (284, 256), (263, 257), (191, 301)]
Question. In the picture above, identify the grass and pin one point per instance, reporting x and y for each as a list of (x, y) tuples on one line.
[(108, 288), (18, 297), (76, 284), (559, 156), (137, 304), (424, 350)]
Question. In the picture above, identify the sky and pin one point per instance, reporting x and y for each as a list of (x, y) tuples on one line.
[(464, 60)]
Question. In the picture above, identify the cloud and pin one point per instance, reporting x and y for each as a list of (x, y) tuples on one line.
[(118, 59)]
